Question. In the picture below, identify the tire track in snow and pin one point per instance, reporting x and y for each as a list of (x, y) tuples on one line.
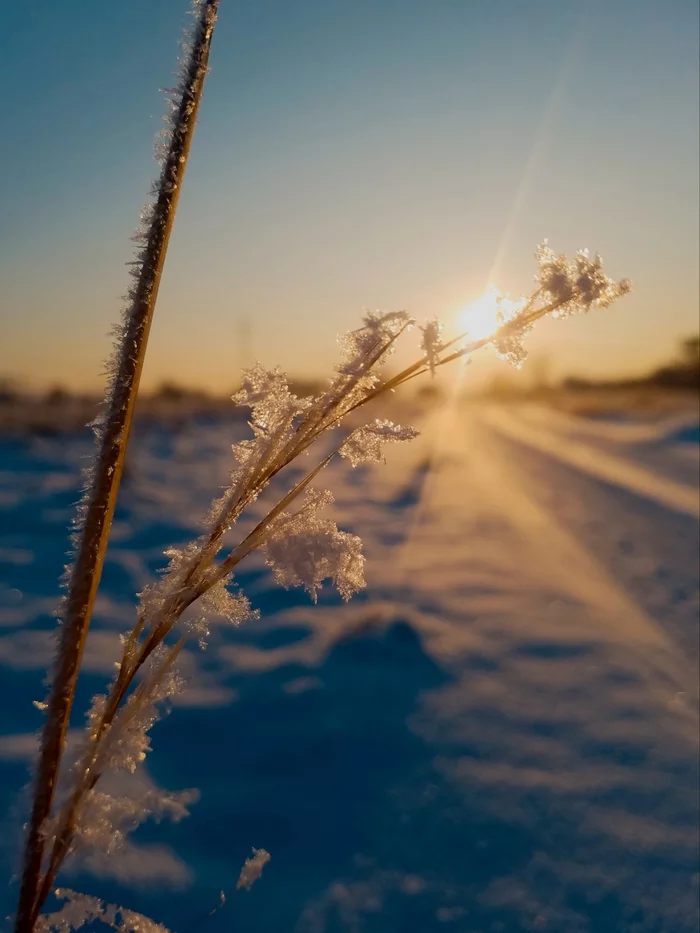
[(551, 555), (619, 432), (595, 462)]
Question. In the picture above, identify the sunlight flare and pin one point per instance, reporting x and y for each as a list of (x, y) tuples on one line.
[(486, 314), (480, 318)]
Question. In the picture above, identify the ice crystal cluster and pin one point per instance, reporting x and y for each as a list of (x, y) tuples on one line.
[(252, 869), (365, 444), (304, 549), (565, 286), (79, 910), (574, 285), (300, 543), (431, 343)]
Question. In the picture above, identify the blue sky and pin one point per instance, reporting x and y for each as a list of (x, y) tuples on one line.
[(350, 154)]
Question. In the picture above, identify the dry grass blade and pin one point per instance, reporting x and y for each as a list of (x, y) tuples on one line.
[(101, 496)]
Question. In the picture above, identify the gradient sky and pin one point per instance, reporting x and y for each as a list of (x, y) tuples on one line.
[(350, 154)]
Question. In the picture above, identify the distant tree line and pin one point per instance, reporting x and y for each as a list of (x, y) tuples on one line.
[(681, 373)]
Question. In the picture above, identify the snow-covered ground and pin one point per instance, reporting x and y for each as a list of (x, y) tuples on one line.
[(500, 734)]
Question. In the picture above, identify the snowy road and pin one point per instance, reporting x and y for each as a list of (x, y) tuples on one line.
[(501, 735)]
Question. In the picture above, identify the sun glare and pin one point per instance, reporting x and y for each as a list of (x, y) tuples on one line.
[(480, 318), (483, 317)]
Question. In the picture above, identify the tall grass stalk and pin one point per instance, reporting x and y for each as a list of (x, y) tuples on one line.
[(97, 509)]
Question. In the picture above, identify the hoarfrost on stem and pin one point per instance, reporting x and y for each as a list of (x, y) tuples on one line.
[(431, 343), (576, 284), (218, 600), (509, 346), (373, 342), (77, 910), (364, 444), (104, 820), (234, 607), (81, 909), (126, 742), (304, 549), (266, 392)]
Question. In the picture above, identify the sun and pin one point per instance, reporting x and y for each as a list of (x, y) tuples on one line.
[(481, 318)]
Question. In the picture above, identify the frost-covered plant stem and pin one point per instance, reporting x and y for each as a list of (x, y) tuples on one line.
[(302, 548), (88, 775), (102, 487)]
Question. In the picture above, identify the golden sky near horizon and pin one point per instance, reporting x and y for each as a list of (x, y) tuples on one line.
[(402, 156)]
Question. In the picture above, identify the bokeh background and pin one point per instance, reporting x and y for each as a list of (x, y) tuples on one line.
[(401, 154), (500, 733)]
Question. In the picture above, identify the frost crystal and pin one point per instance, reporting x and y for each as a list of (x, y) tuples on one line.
[(199, 627), (267, 393), (80, 909), (275, 415), (218, 600), (232, 606), (304, 549), (104, 821), (363, 353), (575, 285), (431, 344), (371, 343), (252, 869), (153, 599), (126, 743), (128, 921), (511, 349), (566, 286), (510, 346), (101, 819), (364, 444)]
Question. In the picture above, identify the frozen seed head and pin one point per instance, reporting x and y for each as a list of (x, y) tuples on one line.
[(576, 284), (431, 343)]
